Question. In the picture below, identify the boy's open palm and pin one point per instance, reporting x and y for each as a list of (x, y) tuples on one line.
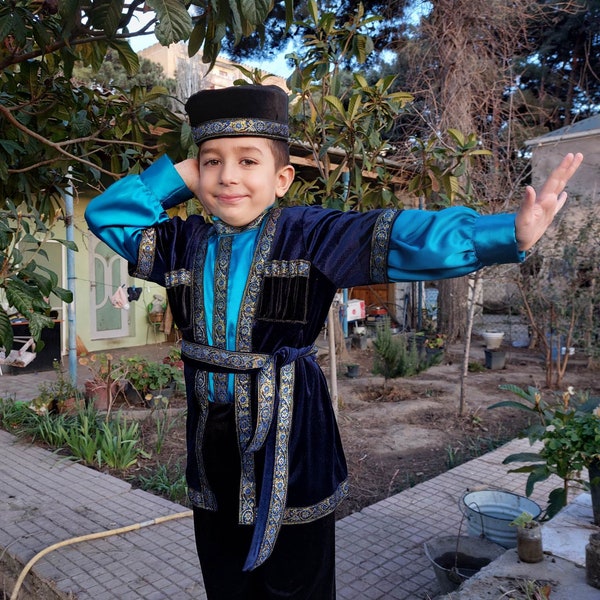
[(538, 210)]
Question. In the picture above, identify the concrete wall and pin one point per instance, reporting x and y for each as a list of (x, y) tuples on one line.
[(585, 185)]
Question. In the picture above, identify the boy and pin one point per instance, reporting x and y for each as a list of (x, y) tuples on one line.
[(249, 293)]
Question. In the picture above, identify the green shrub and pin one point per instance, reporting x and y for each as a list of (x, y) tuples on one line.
[(84, 436), (166, 480), (396, 357), (145, 375), (119, 445)]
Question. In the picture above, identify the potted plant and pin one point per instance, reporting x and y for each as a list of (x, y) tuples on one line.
[(173, 358), (569, 428), (495, 359), (529, 538), (107, 379), (352, 370), (151, 378), (434, 345), (58, 396), (156, 309)]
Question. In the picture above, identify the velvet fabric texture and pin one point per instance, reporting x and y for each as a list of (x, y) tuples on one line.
[(299, 249), (248, 110), (303, 565), (317, 465)]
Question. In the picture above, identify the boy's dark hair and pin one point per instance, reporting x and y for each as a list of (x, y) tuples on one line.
[(281, 153)]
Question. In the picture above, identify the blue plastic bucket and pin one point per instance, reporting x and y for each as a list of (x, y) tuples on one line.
[(490, 512)]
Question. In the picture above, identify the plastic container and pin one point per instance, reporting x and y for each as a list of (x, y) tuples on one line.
[(529, 544)]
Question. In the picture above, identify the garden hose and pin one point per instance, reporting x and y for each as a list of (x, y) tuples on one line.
[(91, 536)]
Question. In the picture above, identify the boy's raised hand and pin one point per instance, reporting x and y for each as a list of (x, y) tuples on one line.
[(188, 171), (538, 210)]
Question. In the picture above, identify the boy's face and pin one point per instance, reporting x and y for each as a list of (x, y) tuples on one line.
[(239, 178)]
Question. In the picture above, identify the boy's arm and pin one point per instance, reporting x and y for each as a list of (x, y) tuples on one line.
[(426, 245), (456, 241), (136, 202)]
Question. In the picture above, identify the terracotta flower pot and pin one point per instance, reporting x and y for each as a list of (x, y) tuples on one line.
[(97, 392)]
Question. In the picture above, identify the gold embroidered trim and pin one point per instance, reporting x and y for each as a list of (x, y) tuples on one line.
[(179, 277), (281, 467), (305, 514), (146, 253), (204, 497), (287, 268), (380, 243), (240, 126)]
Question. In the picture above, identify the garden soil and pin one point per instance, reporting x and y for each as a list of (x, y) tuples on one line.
[(400, 432)]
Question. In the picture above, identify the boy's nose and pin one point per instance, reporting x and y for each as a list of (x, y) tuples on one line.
[(229, 173)]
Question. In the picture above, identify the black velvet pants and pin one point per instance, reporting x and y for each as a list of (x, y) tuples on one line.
[(302, 565)]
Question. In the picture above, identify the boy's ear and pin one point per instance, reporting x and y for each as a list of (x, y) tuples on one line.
[(285, 177)]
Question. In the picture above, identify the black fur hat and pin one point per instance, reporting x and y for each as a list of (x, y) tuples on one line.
[(246, 110)]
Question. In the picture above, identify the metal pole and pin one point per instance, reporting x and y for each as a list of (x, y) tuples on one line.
[(72, 337)]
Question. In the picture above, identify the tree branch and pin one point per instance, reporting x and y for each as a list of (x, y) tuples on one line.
[(107, 142), (9, 116), (15, 59)]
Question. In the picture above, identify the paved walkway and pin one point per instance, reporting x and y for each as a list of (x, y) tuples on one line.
[(45, 499)]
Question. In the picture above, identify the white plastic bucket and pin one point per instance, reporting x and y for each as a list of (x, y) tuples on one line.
[(490, 512)]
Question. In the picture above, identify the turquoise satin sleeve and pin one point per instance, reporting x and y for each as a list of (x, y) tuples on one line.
[(134, 203), (452, 242)]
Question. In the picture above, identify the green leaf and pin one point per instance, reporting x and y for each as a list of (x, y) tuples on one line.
[(354, 105), (197, 37), (289, 13), (313, 11), (106, 15), (52, 276), (6, 331), (38, 322), (457, 136), (360, 46), (20, 295), (539, 474), (522, 457), (337, 104), (361, 81), (557, 499), (237, 24), (512, 404), (69, 244), (127, 57), (64, 295), (174, 21)]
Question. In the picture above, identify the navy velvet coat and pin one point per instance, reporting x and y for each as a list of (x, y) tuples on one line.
[(283, 408)]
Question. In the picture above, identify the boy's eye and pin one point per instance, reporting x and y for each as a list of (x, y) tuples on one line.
[(248, 162), (211, 162)]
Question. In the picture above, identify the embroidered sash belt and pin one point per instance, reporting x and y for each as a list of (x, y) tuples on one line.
[(273, 425)]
